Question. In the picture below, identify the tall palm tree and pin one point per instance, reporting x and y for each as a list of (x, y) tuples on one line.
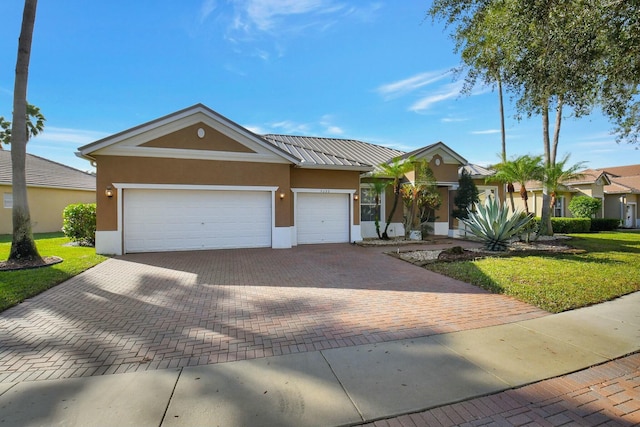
[(521, 170), (23, 247), (394, 170), (556, 174)]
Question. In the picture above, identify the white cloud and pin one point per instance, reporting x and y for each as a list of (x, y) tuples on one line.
[(485, 132), (448, 91), (290, 127), (206, 8), (410, 84), (265, 15), (453, 119), (68, 136)]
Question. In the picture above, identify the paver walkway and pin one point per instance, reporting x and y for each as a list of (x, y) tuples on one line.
[(165, 310), (605, 395)]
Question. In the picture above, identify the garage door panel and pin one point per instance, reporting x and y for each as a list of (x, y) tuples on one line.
[(323, 218), (165, 220)]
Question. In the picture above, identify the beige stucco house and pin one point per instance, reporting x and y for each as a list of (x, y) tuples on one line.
[(51, 187), (196, 180)]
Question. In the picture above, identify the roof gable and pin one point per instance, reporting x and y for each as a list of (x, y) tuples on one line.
[(447, 155), (157, 139), (629, 170), (198, 136), (41, 172)]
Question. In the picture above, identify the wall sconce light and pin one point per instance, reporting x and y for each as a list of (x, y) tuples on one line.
[(281, 196), (356, 197), (109, 192)]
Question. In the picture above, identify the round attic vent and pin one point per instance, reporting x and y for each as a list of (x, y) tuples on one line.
[(200, 133)]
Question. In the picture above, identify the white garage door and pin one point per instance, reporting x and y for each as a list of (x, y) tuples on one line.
[(178, 220), (322, 218)]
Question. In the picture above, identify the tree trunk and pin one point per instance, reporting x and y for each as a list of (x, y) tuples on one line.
[(545, 220), (502, 130), (396, 196), (511, 190), (23, 247)]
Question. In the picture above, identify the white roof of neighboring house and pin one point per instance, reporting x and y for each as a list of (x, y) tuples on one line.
[(41, 172)]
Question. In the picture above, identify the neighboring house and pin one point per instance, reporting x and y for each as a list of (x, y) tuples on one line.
[(51, 187), (592, 184), (623, 194), (196, 180)]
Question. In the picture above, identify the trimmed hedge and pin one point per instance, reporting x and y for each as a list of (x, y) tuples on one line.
[(565, 225), (604, 224), (79, 223), (571, 225)]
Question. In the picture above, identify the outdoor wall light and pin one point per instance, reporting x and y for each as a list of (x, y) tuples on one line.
[(109, 192), (356, 197), (281, 196)]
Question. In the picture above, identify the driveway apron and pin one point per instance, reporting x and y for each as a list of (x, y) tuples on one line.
[(169, 310)]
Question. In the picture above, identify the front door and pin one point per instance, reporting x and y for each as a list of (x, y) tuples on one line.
[(629, 217)]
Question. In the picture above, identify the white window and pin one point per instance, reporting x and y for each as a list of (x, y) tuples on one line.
[(370, 204), (558, 208), (8, 200)]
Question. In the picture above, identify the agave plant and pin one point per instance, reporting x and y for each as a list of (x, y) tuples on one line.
[(493, 224)]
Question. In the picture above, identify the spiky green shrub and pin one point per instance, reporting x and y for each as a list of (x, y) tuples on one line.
[(494, 225)]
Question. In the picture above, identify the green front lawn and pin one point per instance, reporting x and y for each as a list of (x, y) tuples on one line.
[(559, 282), (16, 286)]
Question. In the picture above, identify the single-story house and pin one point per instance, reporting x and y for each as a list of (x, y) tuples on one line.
[(591, 183), (196, 180), (621, 196), (51, 187)]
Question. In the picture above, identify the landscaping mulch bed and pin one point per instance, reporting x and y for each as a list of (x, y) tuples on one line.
[(25, 265), (457, 253)]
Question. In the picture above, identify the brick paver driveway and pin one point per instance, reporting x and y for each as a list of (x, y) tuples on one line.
[(163, 310)]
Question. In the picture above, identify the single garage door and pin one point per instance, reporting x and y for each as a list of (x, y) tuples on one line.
[(179, 220), (322, 218)]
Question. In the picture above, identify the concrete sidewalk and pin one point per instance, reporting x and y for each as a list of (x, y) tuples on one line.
[(341, 386)]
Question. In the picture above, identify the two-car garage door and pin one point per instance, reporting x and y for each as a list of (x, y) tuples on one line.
[(179, 220), (172, 220)]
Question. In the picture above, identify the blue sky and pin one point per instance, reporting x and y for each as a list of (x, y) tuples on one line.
[(376, 71)]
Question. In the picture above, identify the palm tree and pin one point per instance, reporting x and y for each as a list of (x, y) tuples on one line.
[(23, 247), (521, 170), (556, 174), (396, 170)]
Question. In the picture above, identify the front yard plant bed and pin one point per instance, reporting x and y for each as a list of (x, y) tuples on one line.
[(554, 276)]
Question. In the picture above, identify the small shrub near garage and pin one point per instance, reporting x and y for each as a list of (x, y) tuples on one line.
[(571, 225), (604, 224), (79, 223), (584, 206)]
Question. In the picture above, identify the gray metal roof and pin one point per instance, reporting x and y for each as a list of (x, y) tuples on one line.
[(45, 173), (476, 171), (330, 152)]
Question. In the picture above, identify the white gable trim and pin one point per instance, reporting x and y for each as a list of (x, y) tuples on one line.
[(128, 143)]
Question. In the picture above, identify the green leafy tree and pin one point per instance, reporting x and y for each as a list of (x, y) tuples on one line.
[(23, 247), (522, 169), (396, 171), (466, 196), (584, 206), (555, 56)]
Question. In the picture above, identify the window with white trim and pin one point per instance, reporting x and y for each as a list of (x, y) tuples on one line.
[(7, 201), (558, 207), (370, 208)]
